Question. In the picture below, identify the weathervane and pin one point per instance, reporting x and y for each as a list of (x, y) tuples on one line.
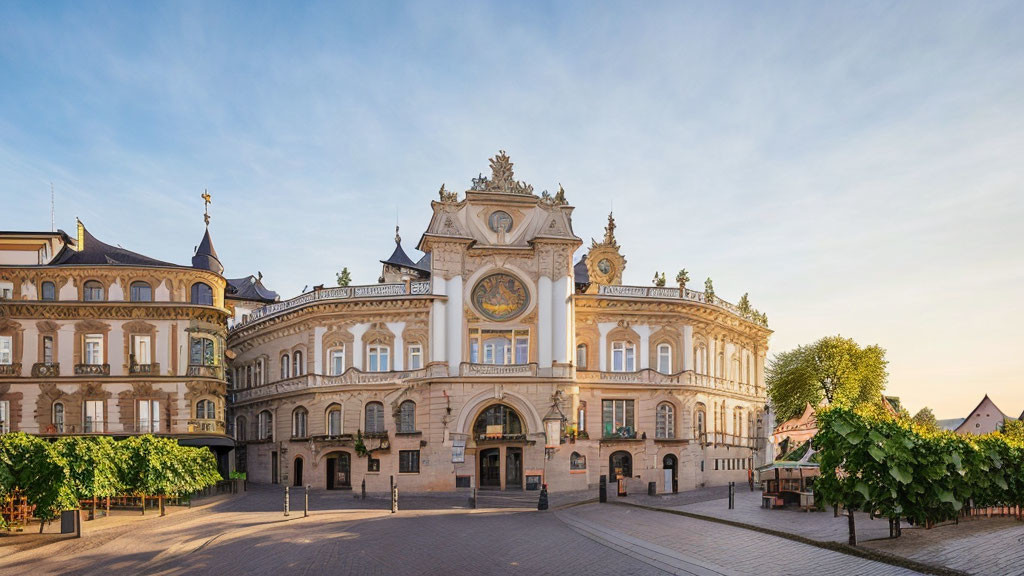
[(206, 209)]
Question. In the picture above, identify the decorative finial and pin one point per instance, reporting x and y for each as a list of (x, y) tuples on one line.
[(398, 239), (447, 196), (609, 230), (503, 178), (206, 208)]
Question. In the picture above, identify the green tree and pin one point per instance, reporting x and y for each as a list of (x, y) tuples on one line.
[(91, 464), (344, 277), (925, 418), (833, 370), (1013, 429), (35, 468), (744, 305)]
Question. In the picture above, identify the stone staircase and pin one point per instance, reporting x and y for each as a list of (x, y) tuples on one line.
[(514, 499)]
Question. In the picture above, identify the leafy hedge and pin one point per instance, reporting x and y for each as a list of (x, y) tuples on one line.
[(894, 468), (54, 476)]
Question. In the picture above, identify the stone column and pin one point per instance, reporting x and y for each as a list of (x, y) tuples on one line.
[(687, 347), (398, 354), (453, 324), (544, 322), (438, 318), (357, 344), (561, 340)]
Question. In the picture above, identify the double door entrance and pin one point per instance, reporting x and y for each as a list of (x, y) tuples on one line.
[(501, 468)]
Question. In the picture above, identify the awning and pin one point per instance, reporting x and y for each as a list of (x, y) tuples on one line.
[(211, 441)]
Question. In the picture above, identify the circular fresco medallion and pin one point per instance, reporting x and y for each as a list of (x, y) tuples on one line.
[(500, 221), (604, 266), (500, 297)]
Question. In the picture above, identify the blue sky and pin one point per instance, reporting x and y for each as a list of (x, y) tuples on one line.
[(856, 168)]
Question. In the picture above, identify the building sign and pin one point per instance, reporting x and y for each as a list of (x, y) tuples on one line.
[(459, 450), (500, 297)]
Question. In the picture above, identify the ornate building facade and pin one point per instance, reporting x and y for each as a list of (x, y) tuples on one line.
[(96, 339), (494, 361)]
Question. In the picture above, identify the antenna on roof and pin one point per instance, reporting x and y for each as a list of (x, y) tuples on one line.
[(53, 226)]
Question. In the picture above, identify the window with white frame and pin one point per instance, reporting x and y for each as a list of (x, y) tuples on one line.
[(94, 349), (140, 292), (415, 357), (665, 358), (93, 415), (202, 352), (581, 357), (5, 416), (6, 350), (297, 367), (378, 358), (206, 409), (334, 423), (665, 421), (299, 418), (58, 417), (266, 425), (338, 361), (499, 346), (623, 357), (700, 359), (149, 416), (141, 344), (285, 361), (92, 291)]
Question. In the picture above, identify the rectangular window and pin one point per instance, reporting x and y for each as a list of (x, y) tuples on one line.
[(617, 416), (6, 291), (5, 416), (664, 359), (338, 362), (94, 416), (6, 350), (581, 357), (334, 423), (379, 358), (373, 464), (499, 346), (415, 357), (49, 291), (149, 416), (94, 349), (48, 349), (623, 357), (140, 348), (201, 352), (409, 461)]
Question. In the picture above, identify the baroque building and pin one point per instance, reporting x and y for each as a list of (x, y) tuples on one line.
[(96, 339), (495, 361)]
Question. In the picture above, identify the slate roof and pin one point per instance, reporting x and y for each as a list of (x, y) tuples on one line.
[(206, 257), (580, 271), (400, 258), (250, 288), (95, 253), (950, 423)]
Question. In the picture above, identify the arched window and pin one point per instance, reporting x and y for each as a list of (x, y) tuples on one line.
[(374, 418), (241, 429), (334, 422), (297, 363), (140, 292), (665, 421), (49, 291), (206, 409), (577, 461), (665, 358), (299, 418), (735, 376), (202, 352), (496, 422), (92, 291), (700, 427), (284, 366), (581, 357), (338, 360), (700, 358), (258, 376), (266, 425), (202, 294), (407, 416), (58, 417)]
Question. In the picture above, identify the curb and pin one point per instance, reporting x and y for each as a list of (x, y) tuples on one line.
[(873, 555)]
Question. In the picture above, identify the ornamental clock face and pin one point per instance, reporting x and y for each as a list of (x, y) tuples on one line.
[(604, 266)]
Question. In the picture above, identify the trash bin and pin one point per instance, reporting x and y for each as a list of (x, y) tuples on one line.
[(67, 521), (652, 488)]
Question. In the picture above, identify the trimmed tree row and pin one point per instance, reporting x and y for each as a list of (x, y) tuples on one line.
[(895, 469), (56, 476)]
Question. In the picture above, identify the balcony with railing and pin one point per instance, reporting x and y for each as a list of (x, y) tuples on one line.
[(205, 371), (730, 440), (352, 376), (10, 369), (206, 425), (685, 379), (684, 294), (92, 369), (45, 370), (470, 369), (144, 369)]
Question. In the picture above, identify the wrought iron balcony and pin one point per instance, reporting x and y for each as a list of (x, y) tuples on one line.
[(92, 369), (10, 369), (204, 371), (206, 425), (45, 369), (153, 368)]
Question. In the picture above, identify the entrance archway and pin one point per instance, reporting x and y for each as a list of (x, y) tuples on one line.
[(671, 465), (500, 437), (620, 465), (297, 476), (339, 471)]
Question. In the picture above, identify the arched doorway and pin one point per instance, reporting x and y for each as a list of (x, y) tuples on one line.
[(297, 476), (620, 465), (671, 465), (500, 437), (339, 471)]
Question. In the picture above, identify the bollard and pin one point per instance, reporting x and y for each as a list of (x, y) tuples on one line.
[(473, 499), (287, 498), (652, 488), (305, 511), (732, 495), (602, 493), (363, 490), (394, 498), (542, 504)]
